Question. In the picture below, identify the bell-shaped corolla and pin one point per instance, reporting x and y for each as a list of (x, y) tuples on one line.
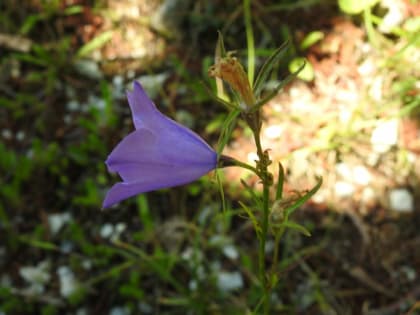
[(160, 153)]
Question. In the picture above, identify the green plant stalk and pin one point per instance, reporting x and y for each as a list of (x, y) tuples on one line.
[(264, 176), (250, 40)]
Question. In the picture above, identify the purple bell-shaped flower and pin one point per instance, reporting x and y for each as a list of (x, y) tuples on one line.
[(160, 153)]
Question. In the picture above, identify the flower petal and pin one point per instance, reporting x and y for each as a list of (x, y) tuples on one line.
[(152, 177), (143, 148), (160, 153), (143, 110), (146, 115)]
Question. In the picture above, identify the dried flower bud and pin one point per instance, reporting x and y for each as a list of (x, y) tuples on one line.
[(230, 70)]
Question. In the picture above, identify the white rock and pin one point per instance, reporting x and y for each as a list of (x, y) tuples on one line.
[(394, 16), (107, 230), (230, 252), (343, 189), (252, 157), (36, 274), (68, 283), (118, 230), (401, 200), (344, 170), (119, 310), (145, 308), (376, 89), (229, 281), (73, 106), (58, 220), (88, 68), (20, 135), (82, 311), (193, 285), (361, 175), (368, 195), (273, 132), (384, 136), (6, 134)]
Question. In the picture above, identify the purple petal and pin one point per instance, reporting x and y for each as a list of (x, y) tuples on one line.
[(154, 177), (146, 115), (143, 110), (144, 147), (160, 153)]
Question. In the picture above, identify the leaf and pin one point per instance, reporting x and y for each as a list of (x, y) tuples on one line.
[(255, 198), (219, 54), (273, 93), (222, 100), (249, 39), (220, 46), (355, 6), (307, 73), (227, 129), (94, 44), (222, 193), (310, 39), (303, 199), (294, 226), (268, 66), (253, 219), (279, 189)]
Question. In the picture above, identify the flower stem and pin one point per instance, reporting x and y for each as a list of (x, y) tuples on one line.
[(266, 178)]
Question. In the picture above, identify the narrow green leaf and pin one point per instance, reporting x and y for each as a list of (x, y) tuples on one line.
[(227, 130), (144, 212), (222, 192), (268, 66), (249, 40), (295, 226), (29, 23), (222, 101), (279, 190), (273, 93), (39, 244), (220, 46), (255, 198), (307, 73), (310, 39), (74, 9), (219, 54), (252, 217), (303, 199), (94, 44)]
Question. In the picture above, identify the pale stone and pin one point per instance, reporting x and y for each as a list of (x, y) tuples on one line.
[(58, 220), (384, 136), (343, 189), (401, 200), (229, 281), (273, 132), (68, 283)]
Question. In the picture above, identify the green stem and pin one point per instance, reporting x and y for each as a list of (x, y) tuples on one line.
[(226, 161), (264, 176), (264, 231)]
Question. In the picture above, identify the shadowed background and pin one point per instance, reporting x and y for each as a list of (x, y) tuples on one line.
[(352, 117)]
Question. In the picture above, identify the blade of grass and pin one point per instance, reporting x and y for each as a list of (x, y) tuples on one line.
[(268, 66), (249, 40)]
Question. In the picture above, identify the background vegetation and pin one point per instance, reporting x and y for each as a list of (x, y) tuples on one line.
[(352, 117)]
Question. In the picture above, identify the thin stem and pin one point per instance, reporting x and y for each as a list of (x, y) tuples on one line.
[(264, 176), (226, 161), (264, 231)]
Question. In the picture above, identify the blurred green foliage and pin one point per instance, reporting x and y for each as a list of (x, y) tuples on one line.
[(170, 256)]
